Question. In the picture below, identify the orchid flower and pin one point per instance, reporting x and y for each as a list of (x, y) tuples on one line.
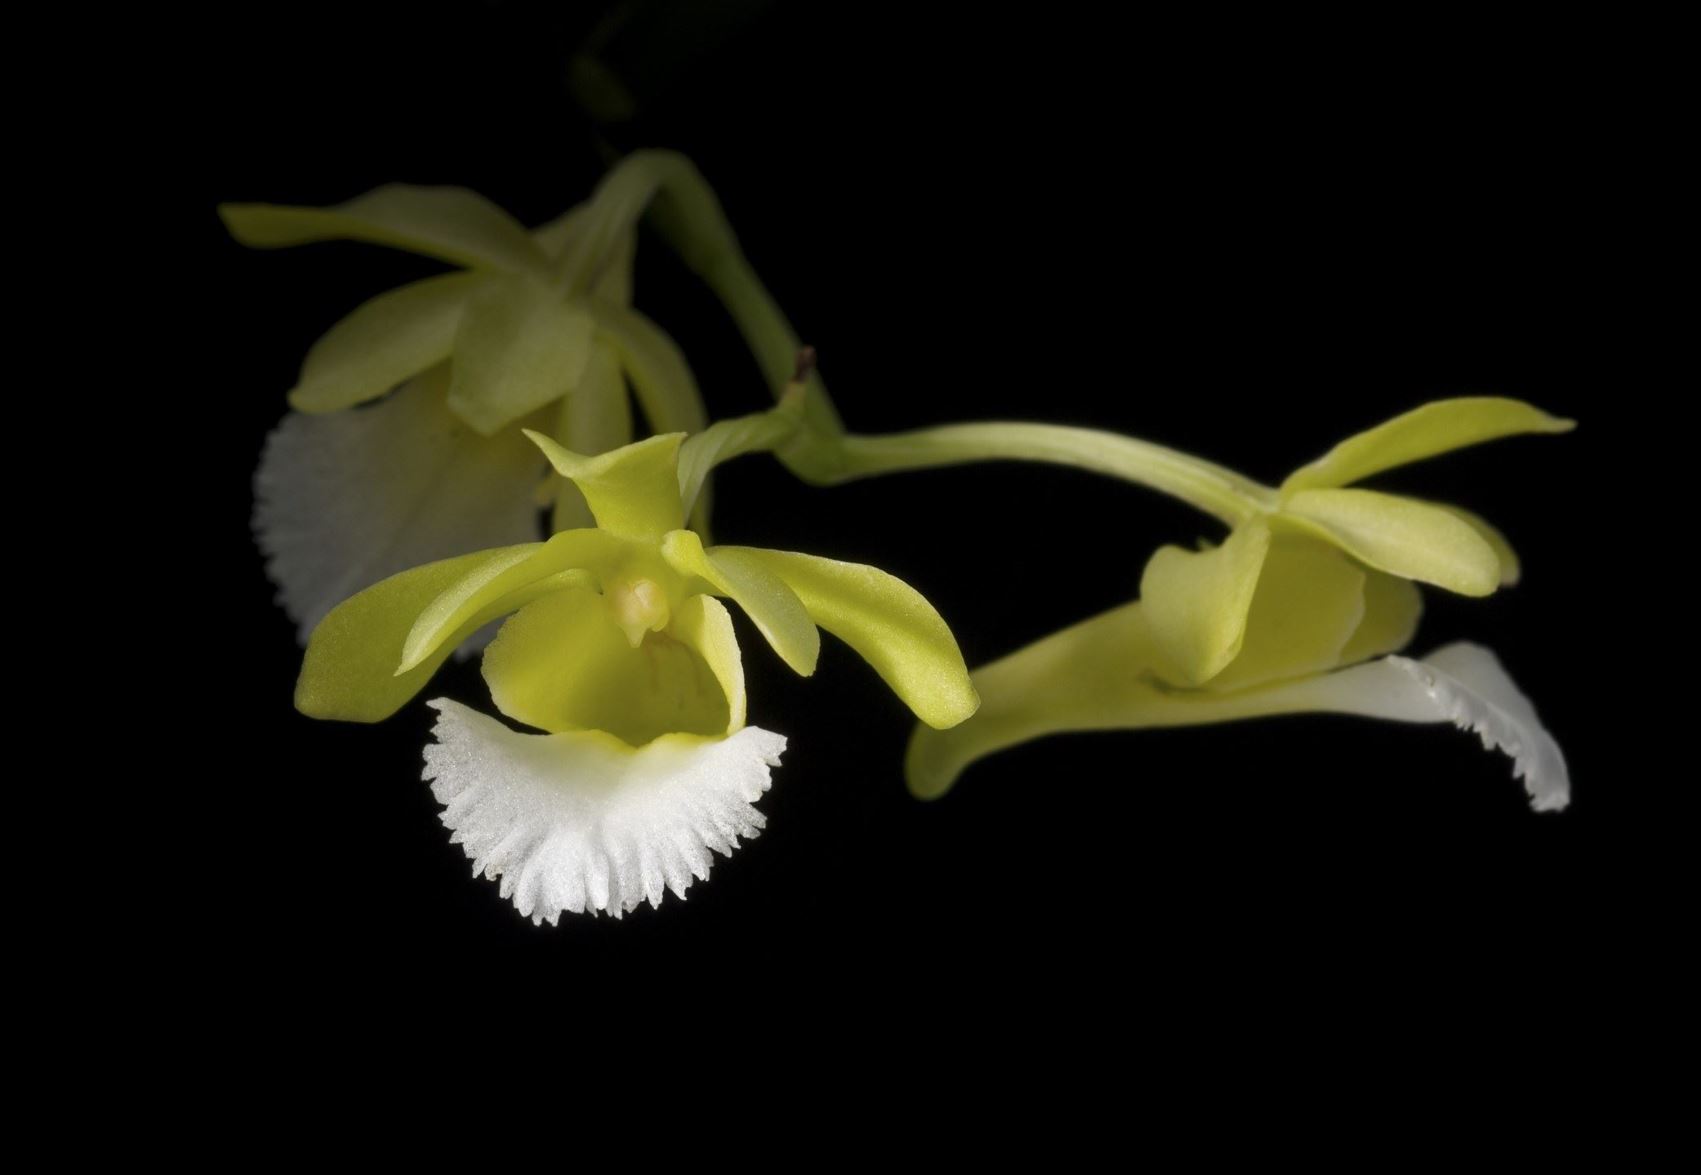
[(1286, 616), (534, 330), (616, 646), (345, 497), (520, 325)]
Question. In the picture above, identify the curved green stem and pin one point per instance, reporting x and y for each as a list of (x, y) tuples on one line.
[(1217, 491), (685, 210)]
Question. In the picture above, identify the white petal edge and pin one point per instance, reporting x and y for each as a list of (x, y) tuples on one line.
[(1461, 683), (580, 821), (345, 499)]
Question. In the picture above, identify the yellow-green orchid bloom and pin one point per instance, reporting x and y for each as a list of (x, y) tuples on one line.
[(519, 325), (1101, 674), (1316, 579), (536, 330), (344, 498), (1199, 601), (617, 646)]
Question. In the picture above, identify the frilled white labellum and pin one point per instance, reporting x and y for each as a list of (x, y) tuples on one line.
[(1467, 684), (581, 821), (1461, 683), (345, 499)]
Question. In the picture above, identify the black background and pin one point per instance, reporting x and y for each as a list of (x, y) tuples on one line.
[(1243, 237)]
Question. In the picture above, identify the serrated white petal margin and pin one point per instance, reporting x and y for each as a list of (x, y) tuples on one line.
[(345, 499), (581, 821), (1461, 683), (1470, 688)]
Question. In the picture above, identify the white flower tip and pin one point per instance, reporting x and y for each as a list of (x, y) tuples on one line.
[(1469, 687), (581, 821)]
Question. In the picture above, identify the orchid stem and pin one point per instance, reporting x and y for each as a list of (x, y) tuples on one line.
[(1219, 492), (685, 210)]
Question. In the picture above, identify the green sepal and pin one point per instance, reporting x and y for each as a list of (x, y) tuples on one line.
[(633, 491), (887, 622)]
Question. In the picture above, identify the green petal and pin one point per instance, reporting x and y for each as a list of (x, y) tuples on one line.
[(661, 380), (1309, 603), (772, 606), (703, 624), (349, 670), (633, 491), (1438, 427), (555, 235), (1092, 676), (454, 224), (498, 577), (385, 341), (724, 440), (518, 347), (1197, 602), (885, 620), (1401, 536), (614, 281), (595, 418), (1510, 568), (1095, 676), (1392, 609), (561, 663), (666, 389)]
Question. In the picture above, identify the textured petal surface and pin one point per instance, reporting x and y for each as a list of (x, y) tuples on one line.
[(1197, 602), (392, 338), (885, 620), (455, 224), (576, 822), (349, 670), (1432, 429), (632, 491), (1474, 692), (1511, 570), (555, 235), (561, 663), (1096, 675), (1309, 604), (347, 499), (1401, 536), (1461, 683), (772, 606), (1392, 609), (500, 577), (613, 280), (518, 347), (703, 624), (666, 389), (595, 418)]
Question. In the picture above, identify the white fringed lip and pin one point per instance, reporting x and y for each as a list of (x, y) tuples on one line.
[(1469, 688), (581, 821), (345, 499), (1462, 683)]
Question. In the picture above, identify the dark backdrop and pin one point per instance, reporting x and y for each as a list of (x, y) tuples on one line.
[(1244, 238)]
